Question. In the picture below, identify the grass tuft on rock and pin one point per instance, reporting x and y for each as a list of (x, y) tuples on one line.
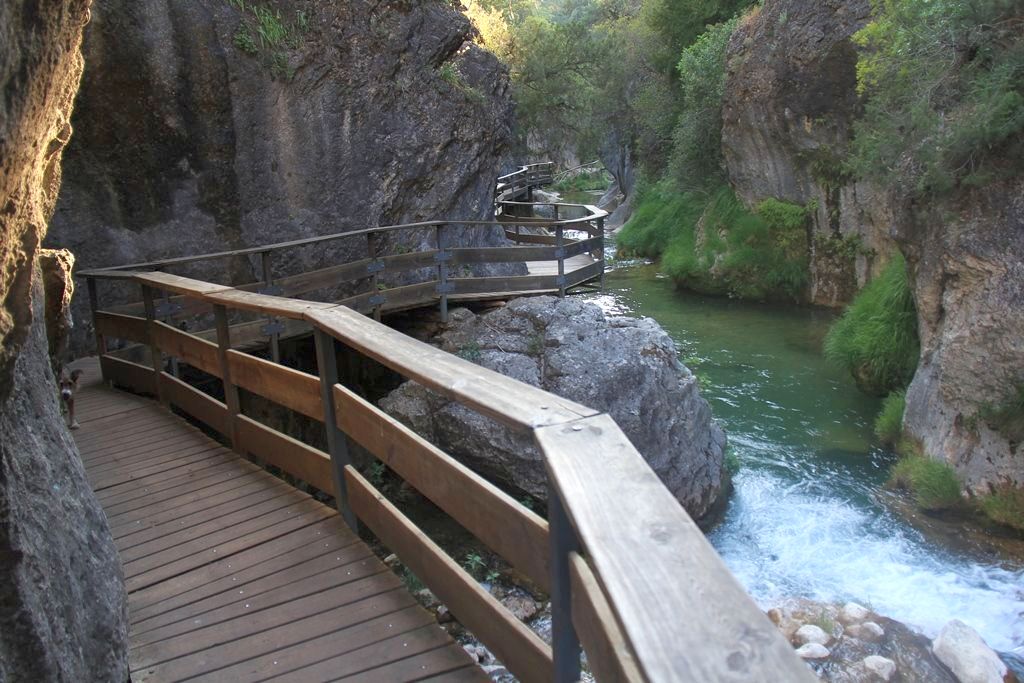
[(1005, 506), (889, 423), (1007, 417), (931, 483), (876, 338)]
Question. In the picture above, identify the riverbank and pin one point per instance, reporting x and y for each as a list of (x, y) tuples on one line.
[(809, 516)]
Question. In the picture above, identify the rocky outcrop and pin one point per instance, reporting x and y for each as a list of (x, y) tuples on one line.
[(193, 136), (852, 644), (624, 366), (788, 112), (63, 614), (967, 264), (965, 653)]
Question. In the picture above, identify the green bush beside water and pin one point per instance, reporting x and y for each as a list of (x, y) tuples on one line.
[(889, 423), (876, 338), (932, 484), (711, 243)]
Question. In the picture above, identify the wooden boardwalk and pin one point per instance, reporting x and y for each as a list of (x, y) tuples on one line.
[(234, 575)]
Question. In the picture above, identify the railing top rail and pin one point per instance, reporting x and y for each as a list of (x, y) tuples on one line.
[(680, 608), (592, 213)]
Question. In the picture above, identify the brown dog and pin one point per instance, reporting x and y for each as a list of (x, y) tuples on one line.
[(68, 382)]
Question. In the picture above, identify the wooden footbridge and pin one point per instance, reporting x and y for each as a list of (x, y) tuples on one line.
[(234, 574)]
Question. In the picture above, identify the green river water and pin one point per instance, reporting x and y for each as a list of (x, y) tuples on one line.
[(806, 516)]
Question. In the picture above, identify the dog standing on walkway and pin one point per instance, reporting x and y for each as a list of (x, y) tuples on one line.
[(68, 382)]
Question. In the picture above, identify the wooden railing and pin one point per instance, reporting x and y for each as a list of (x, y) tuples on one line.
[(519, 184), (436, 274), (633, 582)]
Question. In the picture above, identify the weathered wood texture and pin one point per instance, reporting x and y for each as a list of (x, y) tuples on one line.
[(234, 575), (656, 567)]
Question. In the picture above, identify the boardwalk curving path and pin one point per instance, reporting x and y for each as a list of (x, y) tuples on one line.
[(233, 574)]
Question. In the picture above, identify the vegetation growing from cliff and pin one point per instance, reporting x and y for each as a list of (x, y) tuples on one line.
[(264, 33), (1005, 506), (696, 158), (1006, 417), (582, 182), (889, 423), (944, 82), (876, 338), (932, 483), (712, 243)]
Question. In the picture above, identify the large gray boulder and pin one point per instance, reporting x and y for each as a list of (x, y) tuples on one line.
[(373, 113), (63, 613), (627, 367)]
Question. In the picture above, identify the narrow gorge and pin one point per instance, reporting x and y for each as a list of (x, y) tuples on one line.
[(773, 279)]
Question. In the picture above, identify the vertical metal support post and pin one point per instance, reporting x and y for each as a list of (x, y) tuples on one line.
[(517, 232), (560, 251), (175, 370), (565, 644), (337, 442), (154, 349), (371, 253), (268, 282), (94, 306), (220, 315), (556, 212), (442, 271), (600, 251)]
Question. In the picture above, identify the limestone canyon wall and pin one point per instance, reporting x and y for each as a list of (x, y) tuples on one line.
[(790, 105), (788, 112), (193, 135), (62, 602)]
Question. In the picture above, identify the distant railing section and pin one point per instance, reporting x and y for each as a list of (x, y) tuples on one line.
[(633, 582), (442, 272)]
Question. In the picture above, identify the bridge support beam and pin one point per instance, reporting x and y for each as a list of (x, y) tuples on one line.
[(337, 441)]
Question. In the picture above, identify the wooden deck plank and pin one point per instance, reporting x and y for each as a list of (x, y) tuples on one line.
[(329, 569), (228, 568), (257, 614), (279, 555)]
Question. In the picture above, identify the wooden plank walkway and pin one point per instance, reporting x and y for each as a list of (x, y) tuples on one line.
[(234, 575)]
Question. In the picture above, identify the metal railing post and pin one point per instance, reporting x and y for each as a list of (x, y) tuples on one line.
[(442, 271), (337, 441), (565, 643), (168, 318), (375, 296), (560, 254), (600, 233), (230, 390), (94, 307), (272, 322), (156, 356)]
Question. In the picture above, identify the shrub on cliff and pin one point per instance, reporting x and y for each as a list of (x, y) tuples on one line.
[(944, 82), (932, 483), (889, 423), (876, 338), (696, 159), (713, 244)]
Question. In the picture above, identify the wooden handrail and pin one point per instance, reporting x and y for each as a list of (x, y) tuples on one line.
[(678, 611), (631, 576)]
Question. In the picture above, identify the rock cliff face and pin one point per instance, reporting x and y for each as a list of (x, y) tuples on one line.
[(967, 262), (193, 135), (624, 366), (789, 107), (63, 614)]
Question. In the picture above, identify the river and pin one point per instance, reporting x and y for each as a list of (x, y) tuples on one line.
[(806, 517)]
